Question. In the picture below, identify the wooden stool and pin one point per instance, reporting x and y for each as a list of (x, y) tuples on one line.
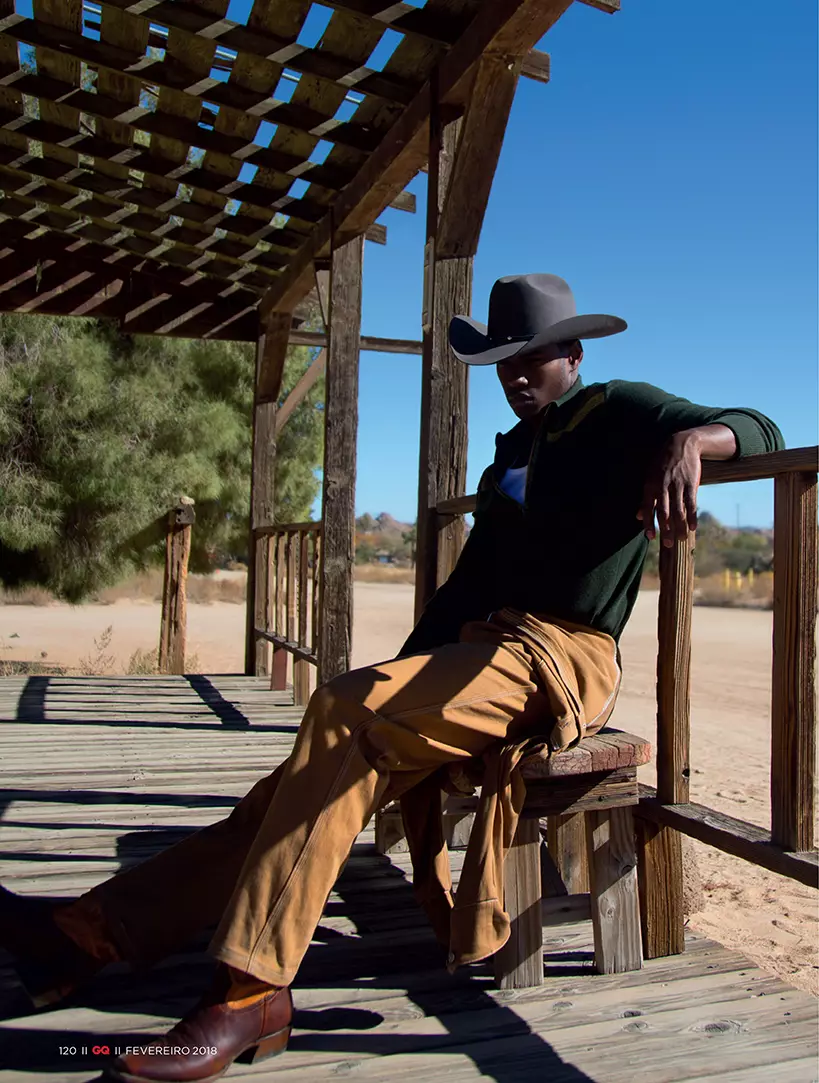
[(596, 778)]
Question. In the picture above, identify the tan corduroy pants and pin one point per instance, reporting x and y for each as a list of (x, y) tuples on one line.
[(264, 873)]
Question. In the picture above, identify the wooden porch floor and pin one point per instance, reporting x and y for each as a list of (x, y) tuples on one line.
[(101, 772)]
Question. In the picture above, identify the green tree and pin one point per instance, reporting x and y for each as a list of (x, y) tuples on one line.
[(100, 432)]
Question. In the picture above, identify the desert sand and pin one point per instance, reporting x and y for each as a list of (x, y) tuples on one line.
[(771, 919)]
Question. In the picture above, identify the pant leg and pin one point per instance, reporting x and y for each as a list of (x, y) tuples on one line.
[(156, 907), (366, 737)]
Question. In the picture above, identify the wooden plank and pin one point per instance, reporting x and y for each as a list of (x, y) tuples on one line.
[(507, 27), (613, 886), (793, 707), (174, 626), (659, 861), (366, 342), (302, 387), (755, 467), (271, 352), (476, 156), (341, 424), (519, 963), (567, 844), (577, 793), (730, 835), (607, 750), (674, 670)]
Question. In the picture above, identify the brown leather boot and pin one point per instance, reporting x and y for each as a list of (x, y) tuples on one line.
[(57, 946), (238, 1015)]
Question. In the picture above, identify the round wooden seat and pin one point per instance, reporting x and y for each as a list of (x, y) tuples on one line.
[(608, 750)]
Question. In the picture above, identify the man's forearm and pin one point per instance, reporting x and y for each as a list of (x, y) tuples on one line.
[(709, 441)]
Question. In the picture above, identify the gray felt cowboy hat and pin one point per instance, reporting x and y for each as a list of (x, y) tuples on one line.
[(526, 313)]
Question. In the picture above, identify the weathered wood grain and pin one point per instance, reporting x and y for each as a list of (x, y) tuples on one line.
[(372, 992), (613, 886), (660, 873), (444, 381), (340, 428), (519, 963), (730, 835), (271, 352), (793, 706), (567, 845), (173, 629)]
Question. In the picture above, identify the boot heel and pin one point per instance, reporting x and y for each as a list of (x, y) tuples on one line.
[(268, 1047)]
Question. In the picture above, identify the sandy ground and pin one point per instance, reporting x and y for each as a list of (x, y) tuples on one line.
[(772, 919)]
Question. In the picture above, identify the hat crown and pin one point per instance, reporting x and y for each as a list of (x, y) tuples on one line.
[(521, 306)]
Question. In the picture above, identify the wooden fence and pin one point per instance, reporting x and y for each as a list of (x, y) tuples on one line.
[(666, 814), (288, 600)]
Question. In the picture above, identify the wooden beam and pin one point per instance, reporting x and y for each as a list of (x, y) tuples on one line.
[(609, 6), (297, 395), (793, 714), (753, 468), (444, 397), (476, 157), (505, 27), (366, 342), (661, 871), (271, 352), (730, 835), (340, 430)]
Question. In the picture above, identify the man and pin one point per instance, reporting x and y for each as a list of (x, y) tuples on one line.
[(520, 644)]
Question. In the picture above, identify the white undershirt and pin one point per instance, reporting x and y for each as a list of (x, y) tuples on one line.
[(513, 483)]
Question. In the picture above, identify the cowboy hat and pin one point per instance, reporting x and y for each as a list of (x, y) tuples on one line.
[(526, 313)]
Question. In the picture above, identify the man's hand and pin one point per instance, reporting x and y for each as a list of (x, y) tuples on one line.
[(671, 488)]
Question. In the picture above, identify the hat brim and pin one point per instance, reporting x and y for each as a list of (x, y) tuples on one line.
[(471, 343)]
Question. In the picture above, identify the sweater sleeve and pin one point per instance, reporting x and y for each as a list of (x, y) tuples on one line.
[(459, 599), (658, 415)]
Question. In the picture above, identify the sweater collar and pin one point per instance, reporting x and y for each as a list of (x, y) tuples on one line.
[(506, 443)]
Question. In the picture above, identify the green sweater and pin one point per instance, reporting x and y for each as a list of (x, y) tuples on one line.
[(575, 548)]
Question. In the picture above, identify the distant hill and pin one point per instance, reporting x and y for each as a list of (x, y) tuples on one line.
[(383, 539)]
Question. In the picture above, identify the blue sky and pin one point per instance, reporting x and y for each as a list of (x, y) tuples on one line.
[(669, 173)]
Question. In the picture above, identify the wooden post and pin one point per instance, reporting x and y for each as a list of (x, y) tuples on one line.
[(173, 627), (614, 904), (271, 350), (793, 714), (275, 608), (301, 668), (463, 155), (566, 843), (660, 850), (519, 963), (340, 430)]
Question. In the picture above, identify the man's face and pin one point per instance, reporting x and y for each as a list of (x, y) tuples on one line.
[(532, 382)]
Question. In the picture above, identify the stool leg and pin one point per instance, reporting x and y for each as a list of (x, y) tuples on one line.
[(390, 837), (519, 963), (614, 899)]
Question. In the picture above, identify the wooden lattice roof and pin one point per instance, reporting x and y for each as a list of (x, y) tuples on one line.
[(166, 165)]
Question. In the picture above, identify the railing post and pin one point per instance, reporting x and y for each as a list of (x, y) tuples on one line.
[(173, 627), (660, 848), (301, 668), (793, 706), (275, 609), (271, 351)]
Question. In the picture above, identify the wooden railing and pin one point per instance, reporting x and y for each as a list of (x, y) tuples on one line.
[(291, 601), (663, 815)]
